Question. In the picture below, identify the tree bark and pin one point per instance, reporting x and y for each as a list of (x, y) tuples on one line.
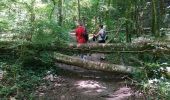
[(150, 48), (78, 1), (155, 19), (93, 65), (95, 47), (51, 13), (60, 15), (122, 46)]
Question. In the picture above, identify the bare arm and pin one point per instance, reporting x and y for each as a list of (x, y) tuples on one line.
[(96, 34)]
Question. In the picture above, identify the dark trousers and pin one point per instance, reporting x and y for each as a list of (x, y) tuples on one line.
[(101, 41)]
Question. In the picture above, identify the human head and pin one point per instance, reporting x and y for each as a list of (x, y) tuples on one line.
[(101, 26), (80, 23)]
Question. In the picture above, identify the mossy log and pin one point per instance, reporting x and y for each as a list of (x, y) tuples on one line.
[(154, 48), (91, 65)]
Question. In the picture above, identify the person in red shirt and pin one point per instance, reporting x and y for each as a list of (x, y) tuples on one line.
[(80, 30)]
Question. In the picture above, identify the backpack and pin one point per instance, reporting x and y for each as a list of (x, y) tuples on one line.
[(85, 35)]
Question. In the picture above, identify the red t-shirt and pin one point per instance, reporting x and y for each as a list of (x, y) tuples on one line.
[(79, 34)]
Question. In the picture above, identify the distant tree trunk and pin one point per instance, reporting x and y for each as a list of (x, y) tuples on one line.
[(78, 1), (128, 34), (162, 13), (101, 14), (32, 20), (51, 13), (140, 11), (136, 18), (108, 14), (128, 15), (155, 19), (98, 12), (60, 15)]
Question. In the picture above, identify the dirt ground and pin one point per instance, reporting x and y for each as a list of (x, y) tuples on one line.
[(73, 83)]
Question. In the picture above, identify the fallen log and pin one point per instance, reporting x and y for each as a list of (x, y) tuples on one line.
[(121, 46), (91, 65), (153, 48)]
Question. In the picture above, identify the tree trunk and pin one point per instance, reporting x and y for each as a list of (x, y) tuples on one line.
[(51, 13), (93, 65), (153, 48), (78, 1), (60, 15), (128, 22), (97, 17), (162, 14), (155, 21), (32, 20), (121, 48), (128, 38)]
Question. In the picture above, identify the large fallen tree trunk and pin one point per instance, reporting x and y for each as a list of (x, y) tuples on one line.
[(93, 65), (155, 48), (122, 46), (91, 46)]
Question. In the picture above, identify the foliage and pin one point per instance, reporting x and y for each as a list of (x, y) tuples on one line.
[(156, 88), (38, 22), (47, 32), (23, 75)]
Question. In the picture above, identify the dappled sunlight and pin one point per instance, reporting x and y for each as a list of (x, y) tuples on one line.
[(86, 3), (90, 87), (39, 4), (89, 84)]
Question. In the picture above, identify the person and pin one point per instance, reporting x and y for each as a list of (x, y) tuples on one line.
[(80, 30), (80, 38), (101, 35)]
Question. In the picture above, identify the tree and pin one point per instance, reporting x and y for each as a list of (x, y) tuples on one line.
[(60, 15), (52, 11), (78, 3), (155, 19)]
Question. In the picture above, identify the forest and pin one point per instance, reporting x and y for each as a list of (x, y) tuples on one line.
[(41, 58)]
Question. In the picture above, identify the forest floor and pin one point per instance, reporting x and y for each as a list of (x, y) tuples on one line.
[(74, 83)]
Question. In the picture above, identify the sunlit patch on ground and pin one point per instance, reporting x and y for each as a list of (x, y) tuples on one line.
[(90, 87)]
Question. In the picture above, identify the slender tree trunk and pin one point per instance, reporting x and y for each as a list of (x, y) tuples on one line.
[(51, 13), (128, 22), (60, 15), (140, 10), (32, 20), (108, 14), (127, 32), (97, 16), (155, 22), (162, 13), (136, 17), (79, 14)]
